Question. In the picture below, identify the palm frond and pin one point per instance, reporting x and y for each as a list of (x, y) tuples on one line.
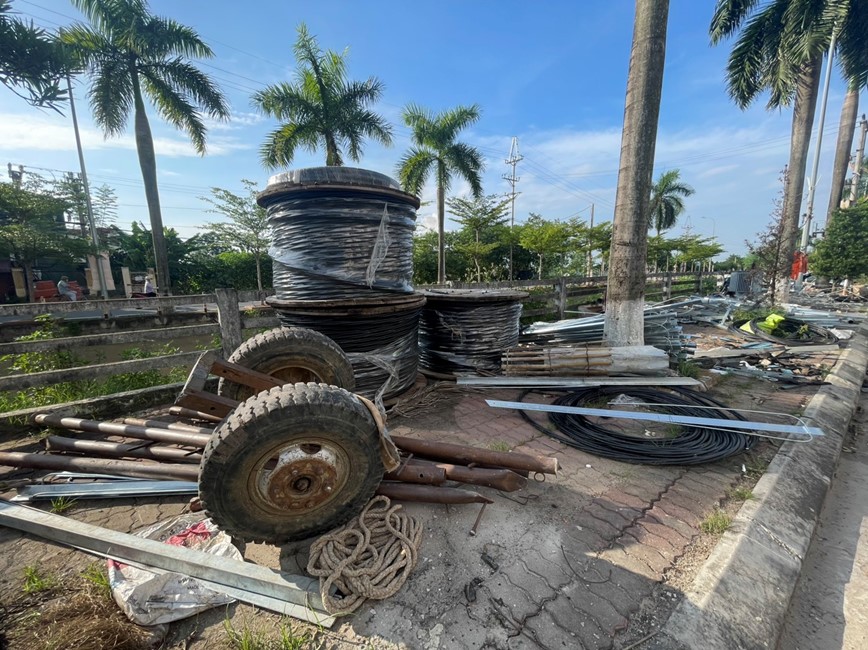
[(175, 108), (185, 78), (728, 18), (166, 37), (457, 119), (467, 161), (280, 145), (414, 168), (111, 95)]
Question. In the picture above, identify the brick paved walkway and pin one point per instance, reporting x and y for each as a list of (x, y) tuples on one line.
[(566, 563)]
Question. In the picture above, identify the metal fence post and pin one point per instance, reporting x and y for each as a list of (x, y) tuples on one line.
[(229, 318), (561, 287)]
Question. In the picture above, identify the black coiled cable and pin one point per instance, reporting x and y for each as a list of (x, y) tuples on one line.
[(322, 247), (461, 337), (692, 445)]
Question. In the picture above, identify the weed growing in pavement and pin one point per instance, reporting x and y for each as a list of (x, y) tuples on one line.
[(688, 369), (36, 580), (740, 494), (247, 639), (62, 504), (499, 445), (96, 575), (716, 523)]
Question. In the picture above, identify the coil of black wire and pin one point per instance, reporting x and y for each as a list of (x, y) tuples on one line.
[(466, 331), (691, 446), (327, 248)]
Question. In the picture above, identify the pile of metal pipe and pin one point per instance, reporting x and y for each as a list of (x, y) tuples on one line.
[(426, 466), (584, 360)]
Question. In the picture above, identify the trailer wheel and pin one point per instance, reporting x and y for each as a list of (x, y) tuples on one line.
[(290, 463), (291, 354)]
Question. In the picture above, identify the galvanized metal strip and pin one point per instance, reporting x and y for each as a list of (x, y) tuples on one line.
[(718, 423), (105, 490), (576, 382), (300, 590)]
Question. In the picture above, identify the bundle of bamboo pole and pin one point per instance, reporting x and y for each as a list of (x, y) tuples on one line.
[(583, 360)]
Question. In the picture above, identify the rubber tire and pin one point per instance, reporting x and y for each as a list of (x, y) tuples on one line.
[(277, 350), (283, 415)]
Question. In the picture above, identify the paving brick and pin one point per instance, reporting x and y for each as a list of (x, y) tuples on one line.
[(578, 617), (614, 519), (682, 528), (620, 588), (629, 514), (585, 540), (647, 554), (534, 586), (599, 526), (705, 492), (605, 613), (621, 498), (644, 489), (644, 536), (549, 569), (675, 511), (687, 503), (675, 539), (550, 634), (618, 557)]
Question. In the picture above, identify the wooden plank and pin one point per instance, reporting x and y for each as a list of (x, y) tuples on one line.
[(258, 381), (239, 575), (208, 403), (200, 371), (49, 377), (164, 303)]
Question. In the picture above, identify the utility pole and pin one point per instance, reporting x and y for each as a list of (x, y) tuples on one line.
[(812, 184), (860, 153), (514, 158), (589, 271), (93, 235)]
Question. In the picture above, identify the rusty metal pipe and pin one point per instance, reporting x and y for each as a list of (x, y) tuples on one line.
[(122, 450), (499, 479), (172, 426), (465, 455), (132, 468), (417, 473), (129, 430), (183, 412), (429, 493)]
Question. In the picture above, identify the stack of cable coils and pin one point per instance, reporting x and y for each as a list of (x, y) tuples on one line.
[(339, 231), (689, 445), (342, 251), (467, 330), (378, 334)]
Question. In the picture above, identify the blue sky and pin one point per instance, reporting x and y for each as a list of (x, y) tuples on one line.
[(551, 73)]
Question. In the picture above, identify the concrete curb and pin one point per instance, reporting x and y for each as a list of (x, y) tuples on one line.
[(740, 597)]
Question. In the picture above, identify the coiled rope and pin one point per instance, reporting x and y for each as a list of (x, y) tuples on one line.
[(691, 445), (370, 557)]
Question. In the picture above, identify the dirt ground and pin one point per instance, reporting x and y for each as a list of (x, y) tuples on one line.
[(593, 558)]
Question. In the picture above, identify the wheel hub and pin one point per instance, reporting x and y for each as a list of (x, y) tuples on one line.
[(304, 478)]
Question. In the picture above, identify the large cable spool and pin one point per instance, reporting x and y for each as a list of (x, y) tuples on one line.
[(339, 231), (467, 330), (343, 265), (379, 335)]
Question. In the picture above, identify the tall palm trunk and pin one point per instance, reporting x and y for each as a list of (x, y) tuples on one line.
[(441, 224), (625, 293), (803, 121), (148, 165), (332, 156), (849, 113)]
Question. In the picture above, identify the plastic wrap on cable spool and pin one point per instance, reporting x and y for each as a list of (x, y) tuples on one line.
[(378, 334), (338, 232), (467, 330)]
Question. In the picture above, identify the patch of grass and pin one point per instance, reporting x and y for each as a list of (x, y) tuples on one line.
[(247, 639), (756, 467), (96, 575), (499, 445), (740, 494), (62, 504), (688, 369), (715, 523), (36, 580)]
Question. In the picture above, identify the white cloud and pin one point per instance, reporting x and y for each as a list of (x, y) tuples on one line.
[(19, 132)]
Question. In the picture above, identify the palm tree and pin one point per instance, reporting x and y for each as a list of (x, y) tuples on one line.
[(846, 130), (435, 148), (625, 292), (780, 49), (131, 54), (321, 109), (667, 200)]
